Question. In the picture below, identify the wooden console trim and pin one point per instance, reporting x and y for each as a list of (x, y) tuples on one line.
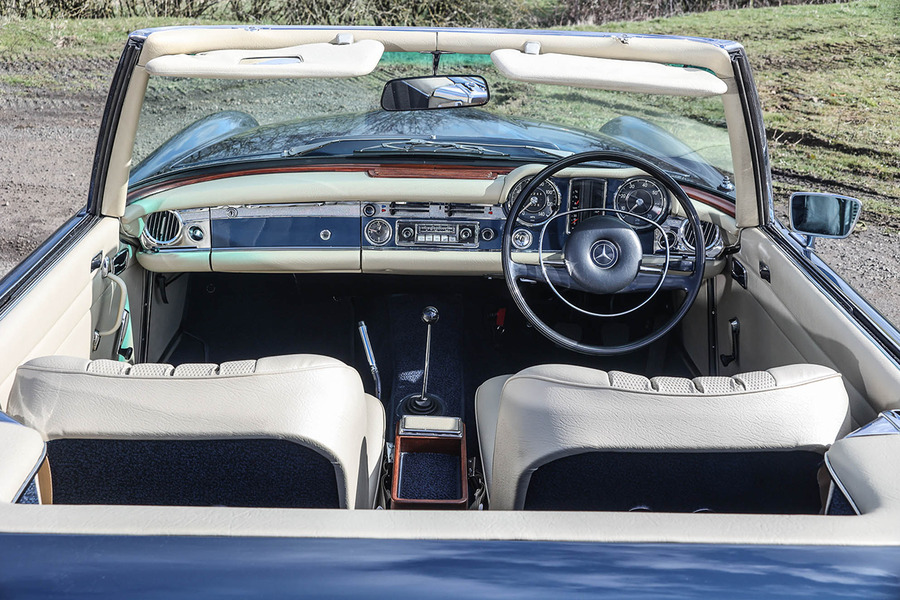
[(443, 445)]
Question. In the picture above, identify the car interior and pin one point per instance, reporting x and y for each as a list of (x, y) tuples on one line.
[(431, 346)]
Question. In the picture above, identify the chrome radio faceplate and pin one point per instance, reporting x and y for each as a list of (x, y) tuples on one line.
[(458, 234)]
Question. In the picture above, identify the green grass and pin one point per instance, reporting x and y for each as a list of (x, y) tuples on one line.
[(828, 83), (827, 77)]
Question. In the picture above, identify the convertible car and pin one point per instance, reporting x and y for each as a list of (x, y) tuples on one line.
[(449, 311)]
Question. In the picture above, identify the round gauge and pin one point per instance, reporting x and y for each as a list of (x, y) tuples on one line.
[(378, 232), (540, 206), (644, 197)]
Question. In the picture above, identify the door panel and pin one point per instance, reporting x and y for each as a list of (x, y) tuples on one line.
[(55, 315), (789, 319)]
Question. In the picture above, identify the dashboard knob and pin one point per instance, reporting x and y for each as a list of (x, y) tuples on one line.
[(369, 210), (487, 234), (466, 234), (521, 238), (407, 234), (195, 233)]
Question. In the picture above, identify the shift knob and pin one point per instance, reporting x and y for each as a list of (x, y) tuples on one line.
[(430, 315)]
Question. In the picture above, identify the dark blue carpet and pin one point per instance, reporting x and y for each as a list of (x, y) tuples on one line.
[(764, 482), (253, 473), (430, 476), (445, 378)]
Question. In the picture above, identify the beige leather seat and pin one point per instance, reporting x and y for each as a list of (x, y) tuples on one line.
[(548, 412), (278, 409)]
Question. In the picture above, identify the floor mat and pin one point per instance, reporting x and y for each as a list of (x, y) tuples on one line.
[(244, 317)]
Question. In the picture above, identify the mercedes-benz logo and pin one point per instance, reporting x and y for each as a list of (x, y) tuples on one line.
[(605, 254)]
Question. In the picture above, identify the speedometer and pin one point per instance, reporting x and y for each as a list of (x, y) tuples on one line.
[(542, 204), (644, 197)]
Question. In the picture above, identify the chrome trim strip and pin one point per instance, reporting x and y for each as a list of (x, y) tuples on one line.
[(185, 250), (31, 476), (886, 423), (837, 482), (348, 209), (279, 249)]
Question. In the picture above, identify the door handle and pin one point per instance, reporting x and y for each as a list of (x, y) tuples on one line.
[(735, 327)]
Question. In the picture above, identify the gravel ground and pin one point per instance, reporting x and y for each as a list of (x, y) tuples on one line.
[(47, 141)]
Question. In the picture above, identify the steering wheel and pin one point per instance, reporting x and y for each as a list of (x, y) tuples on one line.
[(603, 255)]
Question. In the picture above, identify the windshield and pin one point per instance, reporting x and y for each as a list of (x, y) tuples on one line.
[(187, 124)]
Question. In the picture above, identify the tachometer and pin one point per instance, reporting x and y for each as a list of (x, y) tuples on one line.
[(542, 204), (644, 197)]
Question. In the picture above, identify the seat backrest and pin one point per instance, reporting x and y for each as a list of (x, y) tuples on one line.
[(551, 412), (200, 427)]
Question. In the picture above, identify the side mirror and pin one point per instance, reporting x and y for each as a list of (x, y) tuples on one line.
[(824, 215), (443, 91)]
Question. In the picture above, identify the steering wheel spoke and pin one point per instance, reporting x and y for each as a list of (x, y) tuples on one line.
[(678, 276), (554, 267)]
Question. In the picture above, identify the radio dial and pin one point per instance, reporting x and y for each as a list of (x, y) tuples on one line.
[(407, 234)]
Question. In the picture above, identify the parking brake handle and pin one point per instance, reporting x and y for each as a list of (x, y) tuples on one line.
[(370, 357)]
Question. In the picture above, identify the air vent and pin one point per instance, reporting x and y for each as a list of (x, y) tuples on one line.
[(710, 234), (163, 228), (467, 209), (409, 207)]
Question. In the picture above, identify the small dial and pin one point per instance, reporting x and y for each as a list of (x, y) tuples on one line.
[(542, 204), (378, 232), (644, 197)]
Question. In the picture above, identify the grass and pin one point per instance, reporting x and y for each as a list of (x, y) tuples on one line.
[(827, 79), (826, 76)]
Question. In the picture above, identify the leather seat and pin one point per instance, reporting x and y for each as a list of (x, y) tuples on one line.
[(311, 408), (545, 413)]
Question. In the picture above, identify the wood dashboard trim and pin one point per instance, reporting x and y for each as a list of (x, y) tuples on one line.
[(726, 206)]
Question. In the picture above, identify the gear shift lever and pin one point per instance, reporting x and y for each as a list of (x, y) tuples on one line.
[(424, 404)]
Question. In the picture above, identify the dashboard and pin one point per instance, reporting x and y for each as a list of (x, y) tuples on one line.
[(407, 235)]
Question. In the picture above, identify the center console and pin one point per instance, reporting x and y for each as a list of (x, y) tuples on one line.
[(430, 463)]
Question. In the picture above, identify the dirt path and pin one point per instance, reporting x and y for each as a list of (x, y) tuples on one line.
[(47, 142)]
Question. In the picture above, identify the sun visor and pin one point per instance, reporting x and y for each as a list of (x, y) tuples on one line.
[(306, 60), (608, 74)]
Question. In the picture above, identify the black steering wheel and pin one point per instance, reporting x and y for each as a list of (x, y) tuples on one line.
[(603, 255)]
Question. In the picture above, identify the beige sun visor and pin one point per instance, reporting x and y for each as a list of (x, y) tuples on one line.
[(306, 60), (608, 74)]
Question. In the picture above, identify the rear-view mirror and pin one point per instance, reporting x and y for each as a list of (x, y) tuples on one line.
[(441, 91), (824, 215)]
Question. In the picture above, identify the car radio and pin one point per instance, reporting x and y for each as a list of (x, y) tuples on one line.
[(462, 234)]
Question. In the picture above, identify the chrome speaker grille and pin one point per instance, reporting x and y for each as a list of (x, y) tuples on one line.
[(163, 228)]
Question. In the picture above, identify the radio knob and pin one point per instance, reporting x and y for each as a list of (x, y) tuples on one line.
[(407, 234), (465, 233)]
